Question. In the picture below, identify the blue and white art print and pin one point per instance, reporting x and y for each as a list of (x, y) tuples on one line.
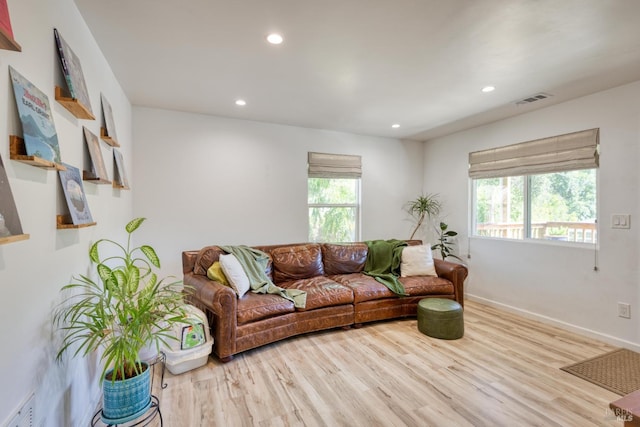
[(38, 129), (74, 195)]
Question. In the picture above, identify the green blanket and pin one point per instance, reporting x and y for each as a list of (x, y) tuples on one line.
[(383, 263), (254, 263)]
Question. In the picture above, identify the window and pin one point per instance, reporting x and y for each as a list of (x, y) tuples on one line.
[(334, 209), (541, 189), (334, 198), (498, 209), (561, 206)]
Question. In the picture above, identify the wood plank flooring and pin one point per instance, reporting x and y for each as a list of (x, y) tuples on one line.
[(504, 372)]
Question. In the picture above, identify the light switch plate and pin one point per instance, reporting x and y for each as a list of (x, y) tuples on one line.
[(620, 221)]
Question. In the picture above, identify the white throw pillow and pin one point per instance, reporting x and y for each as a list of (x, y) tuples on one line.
[(235, 274), (417, 261)]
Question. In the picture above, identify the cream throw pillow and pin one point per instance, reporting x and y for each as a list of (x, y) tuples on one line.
[(236, 276), (417, 261)]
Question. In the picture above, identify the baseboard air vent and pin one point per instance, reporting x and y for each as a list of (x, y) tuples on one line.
[(534, 98), (24, 416)]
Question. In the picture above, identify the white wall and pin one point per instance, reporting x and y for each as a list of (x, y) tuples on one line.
[(205, 180), (556, 283), (33, 271)]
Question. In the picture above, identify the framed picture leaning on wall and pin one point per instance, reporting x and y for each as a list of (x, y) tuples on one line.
[(38, 129), (9, 219)]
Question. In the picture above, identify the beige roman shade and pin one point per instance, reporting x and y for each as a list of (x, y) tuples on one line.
[(323, 165), (577, 150)]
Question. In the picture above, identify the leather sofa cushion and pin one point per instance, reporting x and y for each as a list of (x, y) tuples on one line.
[(365, 288), (253, 307), (321, 292), (426, 285), (296, 262), (205, 259), (344, 258)]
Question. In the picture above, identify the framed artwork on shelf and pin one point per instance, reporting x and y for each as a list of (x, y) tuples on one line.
[(39, 131), (74, 195), (72, 70), (10, 227), (119, 177), (108, 132), (98, 170), (6, 31)]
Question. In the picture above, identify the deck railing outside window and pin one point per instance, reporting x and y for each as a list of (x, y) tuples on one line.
[(585, 232)]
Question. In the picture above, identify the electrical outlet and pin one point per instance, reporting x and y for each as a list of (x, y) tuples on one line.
[(624, 310)]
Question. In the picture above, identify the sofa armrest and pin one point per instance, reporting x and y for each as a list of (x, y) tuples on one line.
[(455, 273), (221, 305)]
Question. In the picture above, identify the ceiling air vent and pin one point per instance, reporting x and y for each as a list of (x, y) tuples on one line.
[(533, 98)]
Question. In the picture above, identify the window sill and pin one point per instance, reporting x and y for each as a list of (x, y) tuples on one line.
[(557, 243)]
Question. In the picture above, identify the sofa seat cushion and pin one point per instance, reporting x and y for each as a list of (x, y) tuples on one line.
[(365, 288), (427, 285), (252, 307), (321, 292)]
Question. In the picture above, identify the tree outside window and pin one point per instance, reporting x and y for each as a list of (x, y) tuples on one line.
[(334, 209), (554, 206)]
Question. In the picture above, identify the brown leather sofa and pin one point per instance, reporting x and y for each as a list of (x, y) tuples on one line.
[(338, 294)]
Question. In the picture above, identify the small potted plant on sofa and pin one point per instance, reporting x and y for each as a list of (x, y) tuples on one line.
[(124, 311)]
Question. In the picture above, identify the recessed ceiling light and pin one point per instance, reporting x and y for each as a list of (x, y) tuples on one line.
[(488, 89), (274, 38), (395, 126), (241, 102)]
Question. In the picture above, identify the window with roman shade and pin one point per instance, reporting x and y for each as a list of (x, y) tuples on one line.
[(572, 151), (541, 189), (334, 197), (324, 165)]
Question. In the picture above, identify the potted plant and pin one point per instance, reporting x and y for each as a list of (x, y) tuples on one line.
[(124, 311), (424, 206), (444, 245)]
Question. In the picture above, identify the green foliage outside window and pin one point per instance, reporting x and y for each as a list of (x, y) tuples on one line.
[(333, 209), (561, 206)]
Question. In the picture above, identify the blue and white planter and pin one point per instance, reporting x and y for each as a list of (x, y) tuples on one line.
[(126, 400)]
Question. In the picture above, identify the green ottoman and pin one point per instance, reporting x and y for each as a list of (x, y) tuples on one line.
[(440, 318)]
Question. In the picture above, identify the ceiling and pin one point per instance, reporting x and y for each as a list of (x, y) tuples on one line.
[(360, 66)]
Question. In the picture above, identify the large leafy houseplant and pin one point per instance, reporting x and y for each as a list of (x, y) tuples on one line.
[(126, 310), (423, 207)]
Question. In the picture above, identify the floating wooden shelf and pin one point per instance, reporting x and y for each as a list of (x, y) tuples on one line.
[(73, 105), (65, 222), (120, 186), (15, 238), (90, 177), (106, 138), (18, 152), (8, 43)]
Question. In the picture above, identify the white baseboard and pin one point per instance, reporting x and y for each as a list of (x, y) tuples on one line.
[(560, 324)]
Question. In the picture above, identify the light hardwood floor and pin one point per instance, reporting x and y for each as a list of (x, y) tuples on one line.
[(503, 372)]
